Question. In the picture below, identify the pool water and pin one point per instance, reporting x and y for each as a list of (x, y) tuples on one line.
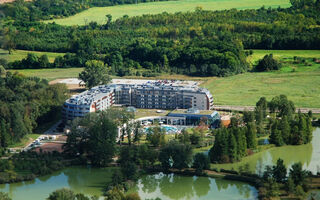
[(168, 129)]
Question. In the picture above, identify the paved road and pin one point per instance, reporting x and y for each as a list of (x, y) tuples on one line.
[(251, 108)]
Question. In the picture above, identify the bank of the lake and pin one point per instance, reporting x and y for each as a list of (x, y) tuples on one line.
[(87, 180), (91, 181), (308, 155)]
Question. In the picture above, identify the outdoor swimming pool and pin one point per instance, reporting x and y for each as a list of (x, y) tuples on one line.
[(168, 129)]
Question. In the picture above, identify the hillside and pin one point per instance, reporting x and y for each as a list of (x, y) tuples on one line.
[(98, 14)]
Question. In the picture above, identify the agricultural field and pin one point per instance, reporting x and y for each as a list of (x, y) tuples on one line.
[(246, 89), (20, 54), (283, 54), (98, 14), (52, 73)]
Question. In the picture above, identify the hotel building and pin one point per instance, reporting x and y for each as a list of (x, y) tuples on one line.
[(154, 95)]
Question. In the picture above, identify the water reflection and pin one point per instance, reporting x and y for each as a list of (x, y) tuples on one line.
[(89, 181), (175, 187), (201, 186)]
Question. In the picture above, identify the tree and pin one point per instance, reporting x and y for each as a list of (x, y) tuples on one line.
[(285, 129), (156, 136), (137, 132), (201, 162), (251, 135), (219, 151), (101, 141), (95, 73), (117, 178), (248, 117), (8, 41), (279, 171), (184, 137), (62, 194), (175, 155), (233, 148), (290, 187), (272, 188), (282, 105), (268, 63), (44, 61), (276, 137), (261, 109), (109, 19), (93, 136), (297, 174)]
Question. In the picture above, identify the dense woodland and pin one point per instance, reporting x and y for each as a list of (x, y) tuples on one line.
[(202, 43), (25, 102)]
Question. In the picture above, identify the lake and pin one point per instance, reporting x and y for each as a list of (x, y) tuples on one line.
[(91, 181)]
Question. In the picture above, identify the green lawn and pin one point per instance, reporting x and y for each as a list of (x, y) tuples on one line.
[(20, 54), (98, 13), (246, 89), (298, 81), (281, 54), (51, 74)]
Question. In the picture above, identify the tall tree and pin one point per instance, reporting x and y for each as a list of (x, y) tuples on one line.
[(251, 134), (233, 148), (285, 129), (95, 73), (201, 162), (93, 136), (297, 174), (279, 171)]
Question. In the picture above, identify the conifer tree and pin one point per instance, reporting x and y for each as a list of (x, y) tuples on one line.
[(233, 149), (309, 130), (251, 136), (285, 130), (279, 171), (276, 137)]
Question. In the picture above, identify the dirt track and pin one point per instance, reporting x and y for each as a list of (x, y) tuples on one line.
[(251, 108)]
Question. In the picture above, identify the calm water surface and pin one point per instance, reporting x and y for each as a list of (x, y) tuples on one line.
[(174, 187)]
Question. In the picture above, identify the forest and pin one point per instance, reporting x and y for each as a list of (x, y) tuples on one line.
[(25, 103), (199, 43)]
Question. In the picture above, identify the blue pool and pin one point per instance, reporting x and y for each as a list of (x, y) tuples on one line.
[(168, 129)]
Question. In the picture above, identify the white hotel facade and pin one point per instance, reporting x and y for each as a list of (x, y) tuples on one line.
[(149, 96)]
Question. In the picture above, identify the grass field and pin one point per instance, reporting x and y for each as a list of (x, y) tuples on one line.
[(280, 54), (246, 89), (20, 54), (98, 13), (51, 74)]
